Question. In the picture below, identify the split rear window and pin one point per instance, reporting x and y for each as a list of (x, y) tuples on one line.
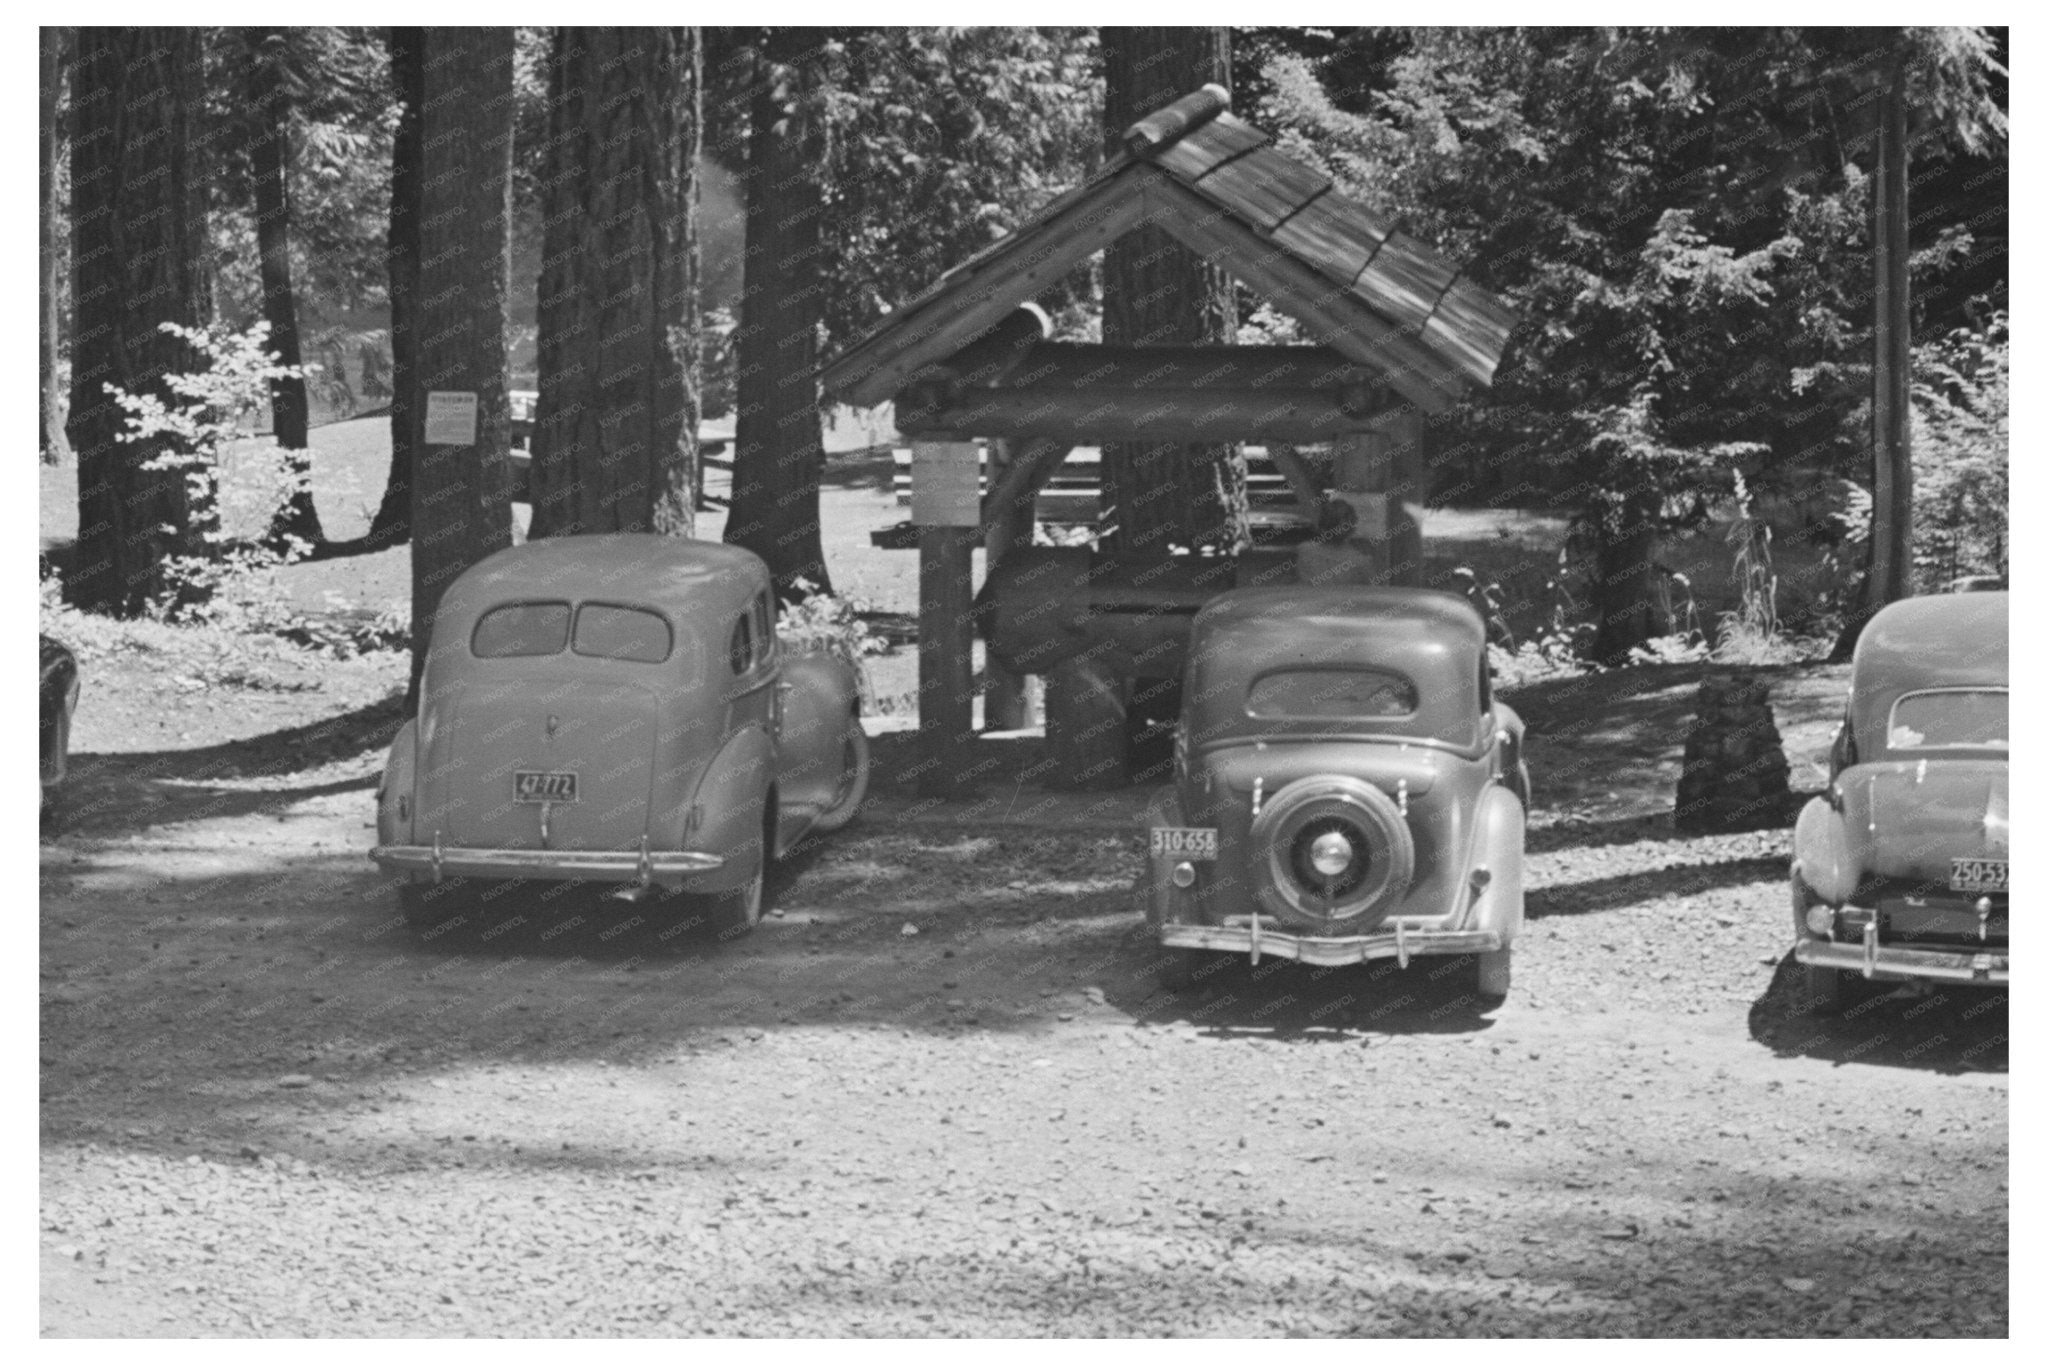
[(600, 630)]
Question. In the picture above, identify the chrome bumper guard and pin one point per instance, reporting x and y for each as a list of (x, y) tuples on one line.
[(553, 864), (1399, 941), (1880, 963)]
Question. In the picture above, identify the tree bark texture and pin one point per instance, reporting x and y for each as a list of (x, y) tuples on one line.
[(615, 438), (393, 523), (50, 245), (1155, 292), (1891, 373), (269, 144), (779, 442), (1628, 591), (460, 511), (138, 234)]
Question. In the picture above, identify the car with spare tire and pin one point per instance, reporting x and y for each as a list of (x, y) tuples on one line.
[(1346, 786)]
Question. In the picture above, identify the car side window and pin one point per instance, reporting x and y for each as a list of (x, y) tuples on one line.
[(764, 628), (740, 652)]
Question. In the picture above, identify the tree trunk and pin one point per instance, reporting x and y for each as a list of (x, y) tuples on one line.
[(779, 442), (615, 439), (1628, 588), (393, 523), (50, 246), (270, 121), (1155, 292), (138, 234), (463, 172)]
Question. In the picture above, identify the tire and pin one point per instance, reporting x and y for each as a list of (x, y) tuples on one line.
[(1388, 855), (1496, 974), (736, 912), (853, 781)]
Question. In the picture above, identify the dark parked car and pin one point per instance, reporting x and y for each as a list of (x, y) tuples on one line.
[(56, 702), (1900, 870), (616, 709), (1346, 786)]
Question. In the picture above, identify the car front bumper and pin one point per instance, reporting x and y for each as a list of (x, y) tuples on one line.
[(643, 867), (1259, 938), (1882, 962)]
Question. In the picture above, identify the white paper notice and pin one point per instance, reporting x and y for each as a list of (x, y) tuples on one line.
[(945, 483), (451, 419)]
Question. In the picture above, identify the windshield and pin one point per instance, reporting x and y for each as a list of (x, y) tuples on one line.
[(1953, 718)]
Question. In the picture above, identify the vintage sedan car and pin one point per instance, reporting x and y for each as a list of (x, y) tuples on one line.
[(1899, 870), (1346, 786), (616, 709), (57, 702)]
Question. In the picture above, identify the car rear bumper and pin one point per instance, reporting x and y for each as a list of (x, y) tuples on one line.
[(1258, 939), (1880, 962), (643, 867)]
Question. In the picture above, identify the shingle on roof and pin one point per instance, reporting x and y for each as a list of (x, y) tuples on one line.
[(1386, 299)]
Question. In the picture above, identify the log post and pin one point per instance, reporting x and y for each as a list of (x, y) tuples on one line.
[(1408, 490), (947, 508), (1362, 478), (1006, 700)]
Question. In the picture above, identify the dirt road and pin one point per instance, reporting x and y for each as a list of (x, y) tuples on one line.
[(940, 1092)]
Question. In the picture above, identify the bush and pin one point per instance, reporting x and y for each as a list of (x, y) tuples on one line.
[(1961, 481), (818, 623)]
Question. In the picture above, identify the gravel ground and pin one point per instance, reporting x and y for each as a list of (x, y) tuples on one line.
[(939, 1093)]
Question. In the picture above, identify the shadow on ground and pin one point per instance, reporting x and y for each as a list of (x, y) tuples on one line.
[(1944, 1031)]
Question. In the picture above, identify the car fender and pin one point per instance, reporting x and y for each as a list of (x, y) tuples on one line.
[(1497, 851), (1164, 812), (727, 809), (1824, 857), (820, 695), (395, 795)]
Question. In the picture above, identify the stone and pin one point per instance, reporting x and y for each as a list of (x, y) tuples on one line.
[(1735, 776)]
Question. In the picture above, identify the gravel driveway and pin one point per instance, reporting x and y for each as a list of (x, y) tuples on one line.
[(940, 1093)]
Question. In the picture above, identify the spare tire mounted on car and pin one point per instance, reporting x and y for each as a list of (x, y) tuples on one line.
[(1331, 853)]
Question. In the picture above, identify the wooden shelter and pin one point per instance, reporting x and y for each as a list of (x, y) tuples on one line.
[(1401, 335)]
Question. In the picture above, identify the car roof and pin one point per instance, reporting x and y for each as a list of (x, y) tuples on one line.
[(682, 578), (1943, 640)]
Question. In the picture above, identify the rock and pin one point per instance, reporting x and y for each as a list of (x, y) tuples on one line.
[(1734, 776), (298, 1080), (909, 930), (1797, 1284)]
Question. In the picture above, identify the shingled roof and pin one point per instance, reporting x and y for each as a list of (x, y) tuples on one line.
[(1221, 187)]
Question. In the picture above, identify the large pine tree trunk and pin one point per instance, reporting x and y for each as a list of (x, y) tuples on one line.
[(270, 117), (1155, 292), (138, 235), (460, 511), (615, 440), (779, 441), (392, 525), (1628, 590), (50, 247)]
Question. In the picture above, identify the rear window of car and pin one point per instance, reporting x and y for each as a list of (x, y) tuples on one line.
[(521, 629), (604, 631), (1954, 718), (1331, 694)]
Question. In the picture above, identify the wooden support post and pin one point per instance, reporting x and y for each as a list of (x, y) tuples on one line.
[(948, 512), (1892, 360), (1407, 491), (1006, 699), (1363, 476)]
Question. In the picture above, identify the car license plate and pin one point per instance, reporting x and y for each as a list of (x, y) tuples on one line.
[(1171, 841), (1977, 874), (535, 787)]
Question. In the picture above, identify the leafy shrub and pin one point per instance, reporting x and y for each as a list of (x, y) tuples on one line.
[(1961, 480), (819, 623)]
